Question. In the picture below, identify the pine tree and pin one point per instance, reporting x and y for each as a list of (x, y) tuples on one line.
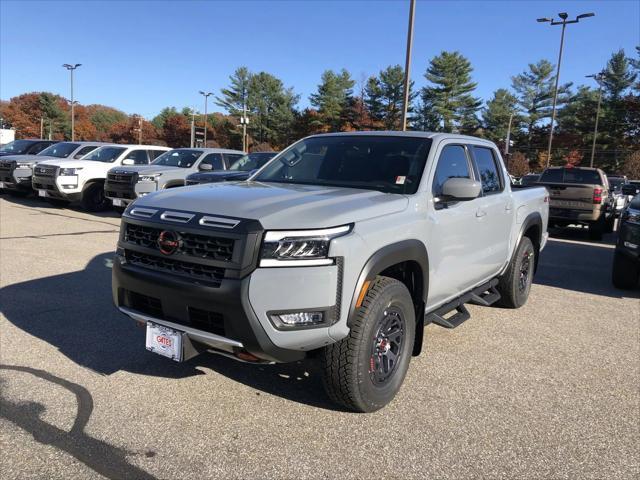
[(234, 98), (334, 95), (496, 115), (450, 92), (534, 89), (384, 98)]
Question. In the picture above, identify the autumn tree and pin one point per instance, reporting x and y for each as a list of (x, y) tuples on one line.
[(449, 94), (176, 131), (631, 167), (518, 165), (573, 158)]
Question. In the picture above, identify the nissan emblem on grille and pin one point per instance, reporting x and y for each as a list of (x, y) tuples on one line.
[(169, 242)]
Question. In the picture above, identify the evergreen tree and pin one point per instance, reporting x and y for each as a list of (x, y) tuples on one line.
[(450, 92), (333, 97), (384, 97), (618, 77), (234, 98), (495, 116), (534, 89), (166, 112)]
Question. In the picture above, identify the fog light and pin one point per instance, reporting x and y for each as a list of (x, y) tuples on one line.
[(298, 319), (69, 186), (630, 245)]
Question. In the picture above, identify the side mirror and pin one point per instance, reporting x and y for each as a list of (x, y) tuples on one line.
[(628, 189), (128, 161), (461, 189), (205, 167)]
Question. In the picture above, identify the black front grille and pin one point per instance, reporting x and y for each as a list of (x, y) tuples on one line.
[(194, 245), (122, 178), (45, 171), (44, 186), (212, 275), (5, 171), (212, 322), (115, 194)]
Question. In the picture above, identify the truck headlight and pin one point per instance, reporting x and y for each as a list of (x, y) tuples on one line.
[(63, 172), (149, 178), (299, 248)]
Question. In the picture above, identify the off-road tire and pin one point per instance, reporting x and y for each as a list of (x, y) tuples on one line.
[(93, 199), (625, 272), (348, 375), (515, 284)]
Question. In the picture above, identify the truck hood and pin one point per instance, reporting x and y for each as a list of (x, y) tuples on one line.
[(279, 206), (221, 176), (89, 167), (149, 169)]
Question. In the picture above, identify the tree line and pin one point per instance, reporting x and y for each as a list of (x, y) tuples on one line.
[(446, 103)]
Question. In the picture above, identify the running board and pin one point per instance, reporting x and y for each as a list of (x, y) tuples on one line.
[(483, 295)]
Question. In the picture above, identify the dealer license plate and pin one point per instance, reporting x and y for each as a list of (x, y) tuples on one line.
[(117, 202), (42, 193), (164, 341)]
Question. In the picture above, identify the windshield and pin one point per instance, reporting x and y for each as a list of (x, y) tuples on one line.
[(571, 175), (616, 183), (17, 147), (105, 154), (60, 150), (252, 161), (386, 163), (183, 158)]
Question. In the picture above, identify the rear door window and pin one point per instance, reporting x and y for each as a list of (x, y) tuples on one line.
[(453, 163), (84, 150), (215, 160), (139, 157), (231, 158), (487, 169)]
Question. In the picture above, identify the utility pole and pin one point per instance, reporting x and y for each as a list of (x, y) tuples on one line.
[(564, 24), (206, 97), (50, 129), (139, 129), (407, 65), (193, 127), (71, 68), (508, 141), (598, 78), (244, 121), (41, 127)]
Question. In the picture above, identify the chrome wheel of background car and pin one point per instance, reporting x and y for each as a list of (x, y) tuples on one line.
[(387, 346)]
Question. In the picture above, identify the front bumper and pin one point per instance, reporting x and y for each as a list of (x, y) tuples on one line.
[(60, 187), (16, 178), (629, 240), (126, 189)]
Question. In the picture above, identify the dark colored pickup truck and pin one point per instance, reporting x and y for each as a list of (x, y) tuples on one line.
[(579, 196)]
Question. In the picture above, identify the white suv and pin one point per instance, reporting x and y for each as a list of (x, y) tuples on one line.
[(64, 181)]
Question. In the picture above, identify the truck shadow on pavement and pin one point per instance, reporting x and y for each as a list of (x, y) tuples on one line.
[(74, 312), (31, 201), (572, 262), (103, 458)]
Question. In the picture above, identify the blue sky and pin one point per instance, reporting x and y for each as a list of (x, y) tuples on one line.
[(142, 56)]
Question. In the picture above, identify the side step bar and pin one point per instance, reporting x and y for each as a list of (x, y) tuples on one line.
[(483, 295)]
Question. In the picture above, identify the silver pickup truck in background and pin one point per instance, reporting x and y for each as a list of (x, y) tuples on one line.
[(125, 184), (342, 248)]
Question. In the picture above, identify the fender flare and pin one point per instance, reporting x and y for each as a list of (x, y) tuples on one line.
[(533, 219), (173, 184), (406, 250)]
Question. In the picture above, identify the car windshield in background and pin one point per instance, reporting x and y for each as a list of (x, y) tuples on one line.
[(635, 203), (60, 150), (391, 164), (105, 154), (571, 175), (252, 161), (183, 158), (616, 183), (530, 179), (17, 147)]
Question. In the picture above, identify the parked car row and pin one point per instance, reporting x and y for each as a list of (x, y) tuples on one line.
[(99, 174)]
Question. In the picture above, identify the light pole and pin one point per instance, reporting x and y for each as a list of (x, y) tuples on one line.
[(508, 141), (407, 65), (598, 78), (244, 121), (71, 68), (206, 97), (564, 22)]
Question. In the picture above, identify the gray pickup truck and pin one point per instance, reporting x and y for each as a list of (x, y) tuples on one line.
[(342, 248), (125, 184)]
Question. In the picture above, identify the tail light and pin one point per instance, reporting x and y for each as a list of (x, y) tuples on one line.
[(597, 195)]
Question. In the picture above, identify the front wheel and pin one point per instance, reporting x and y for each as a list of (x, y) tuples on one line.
[(597, 229), (93, 199), (514, 286), (364, 371)]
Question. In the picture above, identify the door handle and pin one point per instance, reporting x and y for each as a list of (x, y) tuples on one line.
[(480, 213)]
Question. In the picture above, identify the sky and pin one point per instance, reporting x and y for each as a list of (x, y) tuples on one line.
[(140, 56)]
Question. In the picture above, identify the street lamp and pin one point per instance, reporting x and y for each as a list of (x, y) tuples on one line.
[(598, 77), (206, 97), (407, 65), (564, 22), (71, 68)]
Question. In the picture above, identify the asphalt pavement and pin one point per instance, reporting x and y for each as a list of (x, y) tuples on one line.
[(548, 391)]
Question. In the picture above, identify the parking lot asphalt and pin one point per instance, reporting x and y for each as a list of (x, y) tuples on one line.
[(547, 391)]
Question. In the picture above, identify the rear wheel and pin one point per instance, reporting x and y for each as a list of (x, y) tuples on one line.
[(514, 286), (93, 199), (625, 272), (609, 223), (364, 371)]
